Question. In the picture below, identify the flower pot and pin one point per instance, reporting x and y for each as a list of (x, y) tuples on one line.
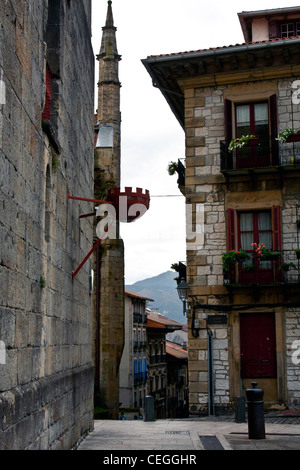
[(252, 142), (271, 257), (293, 138)]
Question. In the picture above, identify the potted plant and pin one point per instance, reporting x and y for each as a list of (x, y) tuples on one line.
[(265, 254), (297, 251), (287, 266), (251, 268), (241, 142), (232, 257), (289, 135), (172, 168)]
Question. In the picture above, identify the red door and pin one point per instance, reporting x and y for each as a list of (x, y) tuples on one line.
[(258, 345)]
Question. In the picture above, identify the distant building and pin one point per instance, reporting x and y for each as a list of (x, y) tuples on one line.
[(133, 368), (177, 381), (157, 328)]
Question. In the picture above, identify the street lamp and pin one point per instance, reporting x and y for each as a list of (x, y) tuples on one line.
[(182, 290)]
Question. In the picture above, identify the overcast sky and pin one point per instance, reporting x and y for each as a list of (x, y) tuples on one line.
[(151, 136)]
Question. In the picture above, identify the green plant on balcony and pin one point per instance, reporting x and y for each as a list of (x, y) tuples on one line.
[(287, 266), (240, 142), (251, 268), (172, 168), (286, 134), (232, 257), (263, 253)]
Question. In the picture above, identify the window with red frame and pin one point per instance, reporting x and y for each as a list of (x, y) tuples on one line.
[(253, 118), (255, 227)]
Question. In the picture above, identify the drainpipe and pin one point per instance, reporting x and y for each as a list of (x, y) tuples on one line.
[(211, 397)]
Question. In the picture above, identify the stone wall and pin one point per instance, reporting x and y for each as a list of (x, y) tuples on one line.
[(46, 374), (293, 356)]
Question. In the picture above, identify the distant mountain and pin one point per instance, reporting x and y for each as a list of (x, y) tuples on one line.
[(162, 289)]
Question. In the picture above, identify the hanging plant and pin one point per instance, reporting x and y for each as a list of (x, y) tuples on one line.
[(265, 254), (232, 257), (240, 142), (289, 135), (287, 266), (172, 168)]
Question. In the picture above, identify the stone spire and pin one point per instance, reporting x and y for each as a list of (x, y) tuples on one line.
[(109, 17), (109, 50), (108, 114)]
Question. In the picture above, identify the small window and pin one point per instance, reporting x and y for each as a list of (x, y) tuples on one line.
[(287, 30), (258, 227), (252, 119), (47, 107)]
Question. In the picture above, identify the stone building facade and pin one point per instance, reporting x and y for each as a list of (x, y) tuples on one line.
[(134, 363), (244, 317), (158, 326), (46, 153)]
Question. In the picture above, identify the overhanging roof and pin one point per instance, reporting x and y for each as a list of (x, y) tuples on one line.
[(167, 70), (137, 296)]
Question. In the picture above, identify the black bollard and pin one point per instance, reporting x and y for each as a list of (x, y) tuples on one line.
[(256, 419), (149, 408), (240, 410)]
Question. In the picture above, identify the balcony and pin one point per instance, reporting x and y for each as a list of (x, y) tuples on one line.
[(284, 270), (158, 358), (139, 318), (262, 156), (139, 346), (140, 378)]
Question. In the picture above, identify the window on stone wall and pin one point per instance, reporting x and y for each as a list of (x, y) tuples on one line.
[(246, 228), (258, 118), (52, 74)]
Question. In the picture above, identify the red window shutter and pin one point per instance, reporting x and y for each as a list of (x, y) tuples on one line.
[(228, 119), (47, 107), (274, 130), (230, 229), (276, 216)]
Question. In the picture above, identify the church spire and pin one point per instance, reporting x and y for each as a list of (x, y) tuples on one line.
[(109, 17), (108, 48), (108, 114)]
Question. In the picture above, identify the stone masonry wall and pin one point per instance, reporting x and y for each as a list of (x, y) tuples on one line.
[(205, 187), (46, 373)]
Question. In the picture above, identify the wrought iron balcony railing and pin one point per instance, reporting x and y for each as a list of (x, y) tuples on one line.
[(285, 269), (266, 152)]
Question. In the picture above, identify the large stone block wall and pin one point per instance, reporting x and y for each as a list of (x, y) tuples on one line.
[(46, 372)]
